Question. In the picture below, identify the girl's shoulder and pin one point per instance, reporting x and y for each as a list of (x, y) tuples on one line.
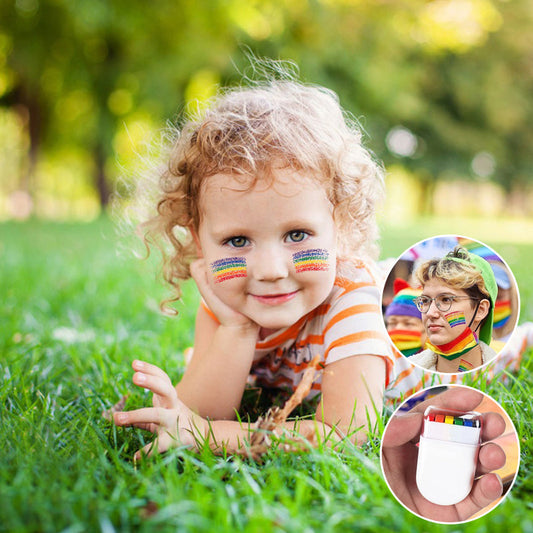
[(356, 278)]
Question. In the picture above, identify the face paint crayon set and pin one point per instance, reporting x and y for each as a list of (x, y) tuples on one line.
[(447, 454)]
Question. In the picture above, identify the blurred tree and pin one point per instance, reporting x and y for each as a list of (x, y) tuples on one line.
[(443, 85)]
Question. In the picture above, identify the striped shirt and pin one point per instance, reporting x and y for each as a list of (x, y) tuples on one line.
[(348, 323)]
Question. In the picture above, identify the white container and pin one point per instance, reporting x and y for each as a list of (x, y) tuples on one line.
[(447, 455)]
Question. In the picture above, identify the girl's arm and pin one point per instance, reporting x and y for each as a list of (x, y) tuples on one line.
[(353, 381), (352, 400), (352, 395), (214, 380)]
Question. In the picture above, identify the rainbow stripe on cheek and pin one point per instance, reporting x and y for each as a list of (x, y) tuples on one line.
[(455, 318), (228, 268), (314, 259)]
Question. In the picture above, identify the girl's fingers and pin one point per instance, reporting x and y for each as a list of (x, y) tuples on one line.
[(147, 450), (158, 386), (152, 428), (151, 370), (146, 415), (159, 445)]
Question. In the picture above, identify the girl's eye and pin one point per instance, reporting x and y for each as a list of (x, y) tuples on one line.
[(297, 236), (237, 242)]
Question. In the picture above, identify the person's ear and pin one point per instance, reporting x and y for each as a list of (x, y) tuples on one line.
[(196, 240), (483, 309)]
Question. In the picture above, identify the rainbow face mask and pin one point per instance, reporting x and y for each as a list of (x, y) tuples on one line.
[(228, 268), (407, 341), (457, 347), (502, 313)]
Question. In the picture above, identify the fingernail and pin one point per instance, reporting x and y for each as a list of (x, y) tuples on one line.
[(140, 378), (122, 417)]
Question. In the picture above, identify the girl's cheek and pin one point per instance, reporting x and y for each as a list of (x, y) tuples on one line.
[(312, 259), (455, 318), (228, 268)]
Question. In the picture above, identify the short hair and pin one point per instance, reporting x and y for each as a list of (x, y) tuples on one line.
[(457, 274), (249, 132)]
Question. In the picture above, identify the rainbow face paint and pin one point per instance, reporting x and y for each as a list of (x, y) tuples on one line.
[(407, 341), (455, 318), (313, 259), (228, 268), (465, 366)]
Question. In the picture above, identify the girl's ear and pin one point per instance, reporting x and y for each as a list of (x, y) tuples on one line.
[(196, 240)]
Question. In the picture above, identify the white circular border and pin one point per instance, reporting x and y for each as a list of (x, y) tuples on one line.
[(515, 287), (501, 498)]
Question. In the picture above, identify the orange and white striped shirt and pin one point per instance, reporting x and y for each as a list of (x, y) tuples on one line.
[(348, 323)]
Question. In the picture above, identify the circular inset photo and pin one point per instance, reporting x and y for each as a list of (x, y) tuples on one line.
[(450, 454), (450, 304)]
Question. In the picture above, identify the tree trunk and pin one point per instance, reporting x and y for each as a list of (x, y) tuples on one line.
[(100, 177)]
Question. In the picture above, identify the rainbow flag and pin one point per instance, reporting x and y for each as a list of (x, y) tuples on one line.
[(479, 249), (407, 341), (314, 259), (502, 313), (229, 268), (455, 318)]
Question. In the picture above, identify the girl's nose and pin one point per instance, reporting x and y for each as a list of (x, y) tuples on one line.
[(270, 264)]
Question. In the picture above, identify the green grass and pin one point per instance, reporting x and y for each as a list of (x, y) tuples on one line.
[(73, 314)]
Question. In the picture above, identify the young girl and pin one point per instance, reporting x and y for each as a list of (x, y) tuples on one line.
[(269, 203)]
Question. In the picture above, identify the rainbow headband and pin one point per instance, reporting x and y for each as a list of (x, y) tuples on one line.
[(229, 268), (314, 259)]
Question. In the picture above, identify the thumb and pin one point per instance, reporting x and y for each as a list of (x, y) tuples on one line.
[(402, 429)]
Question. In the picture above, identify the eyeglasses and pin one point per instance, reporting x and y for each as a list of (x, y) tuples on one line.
[(443, 302)]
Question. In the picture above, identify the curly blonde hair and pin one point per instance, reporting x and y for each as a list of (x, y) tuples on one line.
[(248, 132), (459, 275)]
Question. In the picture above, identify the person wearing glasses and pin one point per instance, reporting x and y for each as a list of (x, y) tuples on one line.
[(457, 306)]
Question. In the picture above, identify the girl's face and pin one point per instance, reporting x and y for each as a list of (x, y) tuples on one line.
[(270, 250), (440, 329)]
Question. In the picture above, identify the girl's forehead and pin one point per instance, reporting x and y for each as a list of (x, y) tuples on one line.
[(285, 183)]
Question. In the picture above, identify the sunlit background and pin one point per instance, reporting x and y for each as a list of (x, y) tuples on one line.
[(442, 88)]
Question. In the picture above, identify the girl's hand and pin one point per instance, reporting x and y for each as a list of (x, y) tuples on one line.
[(172, 422), (225, 314)]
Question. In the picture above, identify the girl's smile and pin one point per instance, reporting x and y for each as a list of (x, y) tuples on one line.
[(265, 225), (275, 299)]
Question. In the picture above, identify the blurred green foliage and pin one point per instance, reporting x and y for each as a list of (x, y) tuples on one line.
[(443, 86)]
